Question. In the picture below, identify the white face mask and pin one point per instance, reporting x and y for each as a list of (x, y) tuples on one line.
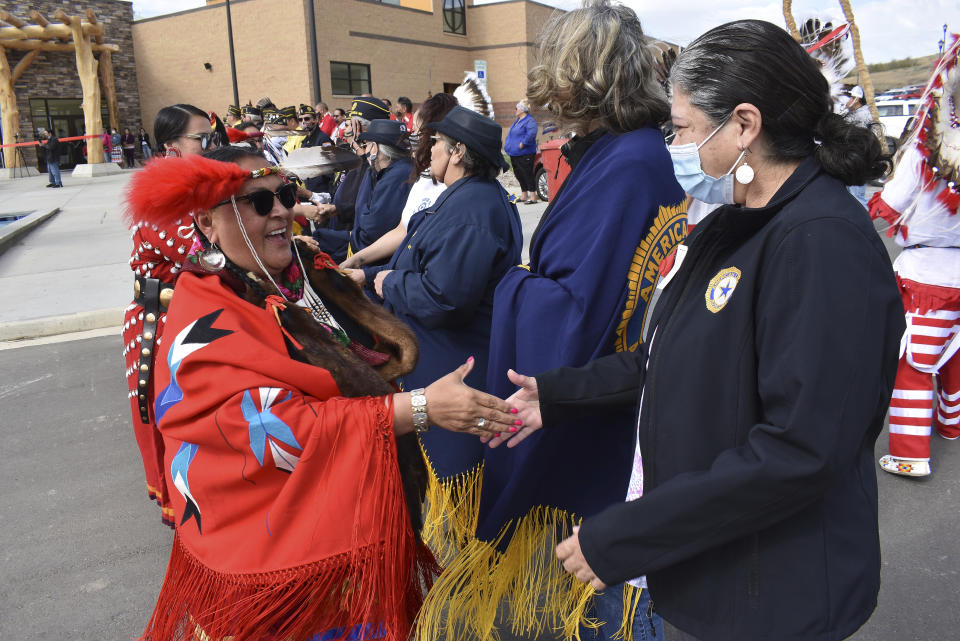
[(690, 174)]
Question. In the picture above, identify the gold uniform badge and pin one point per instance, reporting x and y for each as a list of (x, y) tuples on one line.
[(721, 288)]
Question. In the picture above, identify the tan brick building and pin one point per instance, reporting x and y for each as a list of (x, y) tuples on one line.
[(388, 48)]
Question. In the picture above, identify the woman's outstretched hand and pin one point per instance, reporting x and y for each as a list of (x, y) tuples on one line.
[(455, 406), (526, 400)]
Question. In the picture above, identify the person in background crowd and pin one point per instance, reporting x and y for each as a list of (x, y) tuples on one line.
[(521, 146), (314, 137), (441, 282), (393, 115), (858, 113), (338, 217), (425, 190), (116, 150), (405, 112), (233, 116), (51, 148), (256, 136), (921, 203), (252, 114), (158, 255), (144, 138), (107, 141), (593, 263), (327, 122), (782, 321), (129, 144), (382, 194), (340, 116)]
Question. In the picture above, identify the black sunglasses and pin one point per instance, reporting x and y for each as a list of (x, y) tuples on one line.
[(262, 199)]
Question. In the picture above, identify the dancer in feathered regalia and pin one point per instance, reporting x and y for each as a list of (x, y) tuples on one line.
[(921, 202)]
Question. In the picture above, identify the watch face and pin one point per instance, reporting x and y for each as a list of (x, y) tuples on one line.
[(418, 400)]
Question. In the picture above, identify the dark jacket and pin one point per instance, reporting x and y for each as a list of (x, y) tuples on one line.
[(52, 148), (442, 283), (759, 514), (379, 203)]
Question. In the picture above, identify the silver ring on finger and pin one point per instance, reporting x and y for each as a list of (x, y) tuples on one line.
[(481, 423)]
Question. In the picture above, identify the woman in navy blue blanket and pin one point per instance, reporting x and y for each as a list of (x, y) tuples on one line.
[(441, 281), (593, 265)]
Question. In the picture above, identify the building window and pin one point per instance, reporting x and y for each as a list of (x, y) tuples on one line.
[(454, 17), (349, 78)]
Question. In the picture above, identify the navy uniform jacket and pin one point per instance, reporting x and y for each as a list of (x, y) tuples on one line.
[(442, 284), (379, 203), (773, 357)]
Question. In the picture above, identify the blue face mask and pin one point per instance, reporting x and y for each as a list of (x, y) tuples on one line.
[(690, 175)]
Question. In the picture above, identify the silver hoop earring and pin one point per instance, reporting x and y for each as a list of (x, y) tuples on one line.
[(212, 259)]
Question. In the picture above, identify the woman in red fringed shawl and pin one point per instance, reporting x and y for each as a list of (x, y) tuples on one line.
[(293, 469), (157, 256)]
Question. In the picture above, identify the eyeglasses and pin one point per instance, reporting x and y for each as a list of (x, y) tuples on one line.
[(262, 199), (307, 119), (203, 138)]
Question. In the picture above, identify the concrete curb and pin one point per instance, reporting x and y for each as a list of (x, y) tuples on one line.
[(69, 323), (9, 233)]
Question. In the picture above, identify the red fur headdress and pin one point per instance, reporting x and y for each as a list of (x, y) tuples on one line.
[(168, 189)]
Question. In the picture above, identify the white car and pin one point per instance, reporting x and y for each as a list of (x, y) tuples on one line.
[(895, 115)]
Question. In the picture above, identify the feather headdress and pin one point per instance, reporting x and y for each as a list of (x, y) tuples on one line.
[(473, 95), (168, 189), (832, 47)]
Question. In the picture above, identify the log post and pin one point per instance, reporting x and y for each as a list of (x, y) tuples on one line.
[(87, 70), (788, 18), (25, 62), (109, 88), (11, 114)]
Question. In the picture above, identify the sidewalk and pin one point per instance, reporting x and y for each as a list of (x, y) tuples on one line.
[(70, 273)]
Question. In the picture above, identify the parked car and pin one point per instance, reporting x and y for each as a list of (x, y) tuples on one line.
[(896, 116), (550, 168)]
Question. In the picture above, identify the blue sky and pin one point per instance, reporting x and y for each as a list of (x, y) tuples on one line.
[(889, 29)]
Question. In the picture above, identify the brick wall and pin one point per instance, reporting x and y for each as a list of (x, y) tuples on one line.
[(53, 74), (407, 50)]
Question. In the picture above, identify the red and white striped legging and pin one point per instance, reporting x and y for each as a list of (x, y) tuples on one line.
[(929, 353)]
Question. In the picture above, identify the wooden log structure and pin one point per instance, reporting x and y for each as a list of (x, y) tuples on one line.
[(10, 120), (71, 33), (87, 70)]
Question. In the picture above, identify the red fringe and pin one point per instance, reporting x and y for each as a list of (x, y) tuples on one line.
[(880, 209), (322, 260), (168, 189), (383, 583), (950, 199), (922, 298)]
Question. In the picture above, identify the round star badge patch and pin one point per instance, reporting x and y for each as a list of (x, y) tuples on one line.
[(721, 288)]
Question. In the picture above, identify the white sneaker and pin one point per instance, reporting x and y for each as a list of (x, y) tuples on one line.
[(904, 467)]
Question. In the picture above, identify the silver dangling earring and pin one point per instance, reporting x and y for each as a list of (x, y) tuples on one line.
[(212, 259), (744, 173)]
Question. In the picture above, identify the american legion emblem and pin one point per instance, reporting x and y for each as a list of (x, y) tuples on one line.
[(667, 230), (721, 288)]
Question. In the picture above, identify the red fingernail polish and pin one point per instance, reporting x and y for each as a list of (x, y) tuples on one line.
[(470, 360), (518, 422), (514, 410), (497, 434), (513, 429)]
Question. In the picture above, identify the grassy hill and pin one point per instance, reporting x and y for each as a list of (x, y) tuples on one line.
[(916, 71)]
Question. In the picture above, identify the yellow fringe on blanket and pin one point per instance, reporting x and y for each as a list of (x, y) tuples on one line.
[(526, 577), (450, 513), (631, 599)]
